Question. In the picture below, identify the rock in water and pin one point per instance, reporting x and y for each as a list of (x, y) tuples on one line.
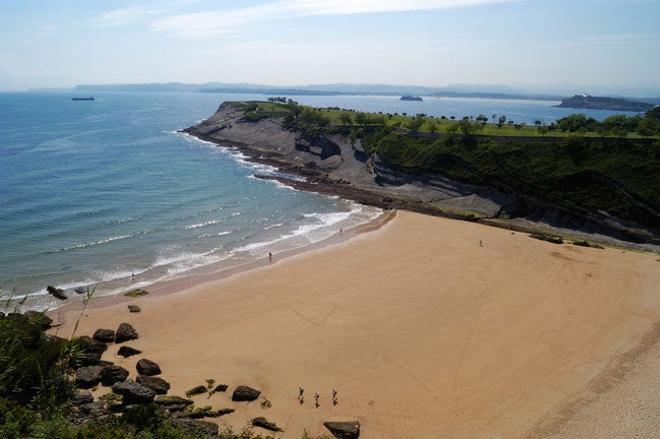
[(344, 430), (88, 377), (158, 385), (113, 374), (104, 335), (57, 293), (39, 319), (265, 423), (125, 332), (133, 393), (134, 308), (245, 393), (127, 351), (147, 367)]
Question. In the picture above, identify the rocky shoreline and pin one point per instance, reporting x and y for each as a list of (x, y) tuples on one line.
[(335, 165)]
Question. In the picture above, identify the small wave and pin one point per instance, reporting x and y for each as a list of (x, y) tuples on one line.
[(210, 235), (204, 224), (273, 226), (89, 244)]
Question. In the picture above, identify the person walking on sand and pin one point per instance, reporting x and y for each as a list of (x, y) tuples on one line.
[(316, 400), (481, 243), (301, 398), (270, 257), (334, 397)]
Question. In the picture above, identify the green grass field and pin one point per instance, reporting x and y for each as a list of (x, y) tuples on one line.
[(441, 125)]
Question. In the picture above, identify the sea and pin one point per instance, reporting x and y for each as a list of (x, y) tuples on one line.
[(107, 194)]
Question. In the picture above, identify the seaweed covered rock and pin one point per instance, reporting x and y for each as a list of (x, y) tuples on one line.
[(137, 292), (197, 390), (125, 332), (245, 393), (172, 403), (197, 427), (265, 424), (57, 293)]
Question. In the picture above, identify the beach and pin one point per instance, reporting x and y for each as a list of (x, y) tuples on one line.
[(423, 332)]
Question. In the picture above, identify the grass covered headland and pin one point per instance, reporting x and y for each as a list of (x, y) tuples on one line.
[(608, 169)]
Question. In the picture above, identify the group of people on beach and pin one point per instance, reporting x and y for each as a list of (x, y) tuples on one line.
[(301, 397)]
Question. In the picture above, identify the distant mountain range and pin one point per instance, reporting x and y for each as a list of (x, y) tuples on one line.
[(462, 91)]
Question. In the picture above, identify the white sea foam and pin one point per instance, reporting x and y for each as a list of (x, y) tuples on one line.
[(89, 244), (204, 224)]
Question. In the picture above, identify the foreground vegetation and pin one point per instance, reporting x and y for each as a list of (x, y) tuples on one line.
[(38, 395)]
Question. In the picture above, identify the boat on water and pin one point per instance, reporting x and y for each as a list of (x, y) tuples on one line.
[(89, 98), (411, 98)]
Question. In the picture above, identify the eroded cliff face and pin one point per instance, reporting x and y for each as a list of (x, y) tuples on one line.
[(335, 165)]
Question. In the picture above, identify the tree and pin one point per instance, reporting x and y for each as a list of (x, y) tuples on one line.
[(482, 119), (494, 117), (537, 123), (433, 126), (467, 127), (346, 118), (543, 130), (415, 123), (362, 118), (501, 121)]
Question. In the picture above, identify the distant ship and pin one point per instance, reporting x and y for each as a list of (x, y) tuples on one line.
[(90, 98), (411, 98)]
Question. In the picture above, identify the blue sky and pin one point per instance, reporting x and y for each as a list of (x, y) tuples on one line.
[(542, 45)]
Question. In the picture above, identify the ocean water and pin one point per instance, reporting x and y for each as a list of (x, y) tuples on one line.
[(92, 193)]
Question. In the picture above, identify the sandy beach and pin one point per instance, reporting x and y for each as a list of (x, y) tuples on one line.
[(424, 333)]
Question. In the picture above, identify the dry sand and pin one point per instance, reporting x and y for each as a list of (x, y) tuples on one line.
[(424, 334)]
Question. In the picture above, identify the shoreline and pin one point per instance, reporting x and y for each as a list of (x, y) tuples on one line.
[(219, 271), (424, 332), (325, 186)]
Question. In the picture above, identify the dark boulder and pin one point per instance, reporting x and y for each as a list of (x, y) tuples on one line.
[(265, 424), (127, 351), (125, 332), (197, 427), (113, 374), (220, 388), (104, 335), (147, 367), (80, 290), (88, 377), (134, 308), (87, 344), (57, 293), (82, 397), (86, 359), (95, 410), (133, 393), (158, 385), (197, 390), (344, 430), (39, 319), (245, 393)]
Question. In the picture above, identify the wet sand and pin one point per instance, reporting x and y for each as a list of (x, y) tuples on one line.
[(424, 334)]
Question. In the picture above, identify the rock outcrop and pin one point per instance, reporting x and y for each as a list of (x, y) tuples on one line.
[(125, 332), (147, 367), (133, 393), (245, 393), (344, 430)]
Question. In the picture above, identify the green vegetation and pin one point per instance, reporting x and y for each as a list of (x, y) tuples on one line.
[(577, 163)]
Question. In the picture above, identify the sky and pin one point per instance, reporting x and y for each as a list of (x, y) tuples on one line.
[(532, 45)]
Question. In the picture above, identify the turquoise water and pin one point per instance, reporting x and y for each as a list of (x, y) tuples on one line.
[(94, 192)]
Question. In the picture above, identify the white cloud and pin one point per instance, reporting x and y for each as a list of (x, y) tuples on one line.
[(120, 17), (219, 22)]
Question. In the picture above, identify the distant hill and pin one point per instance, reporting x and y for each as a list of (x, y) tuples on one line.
[(605, 103)]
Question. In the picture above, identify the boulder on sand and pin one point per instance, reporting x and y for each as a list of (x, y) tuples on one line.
[(147, 367), (87, 344), (127, 351), (113, 374), (134, 308), (125, 332), (197, 390), (265, 424), (158, 385), (57, 293), (245, 393), (344, 430), (133, 393), (104, 335), (88, 377), (173, 403)]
